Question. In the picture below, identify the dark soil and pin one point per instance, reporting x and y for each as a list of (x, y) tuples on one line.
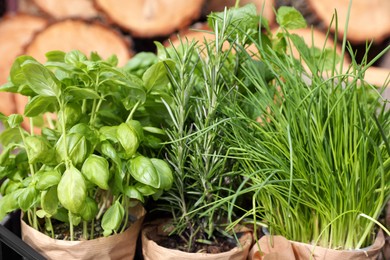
[(218, 245), (61, 231)]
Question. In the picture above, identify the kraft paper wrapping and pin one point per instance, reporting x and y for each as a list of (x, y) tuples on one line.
[(272, 248), (285, 249), (152, 251), (119, 246)]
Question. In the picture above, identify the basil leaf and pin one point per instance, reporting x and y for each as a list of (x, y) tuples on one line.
[(290, 18), (9, 203), (90, 209), (142, 169), (49, 200), (128, 138), (27, 198), (112, 218), (41, 80), (72, 190), (39, 105), (156, 77), (16, 74), (164, 172), (95, 169), (47, 179), (77, 93), (133, 193)]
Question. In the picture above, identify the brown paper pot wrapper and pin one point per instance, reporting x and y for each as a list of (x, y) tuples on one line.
[(118, 246), (152, 251), (285, 249)]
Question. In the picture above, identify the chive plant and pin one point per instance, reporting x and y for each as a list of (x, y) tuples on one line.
[(317, 146)]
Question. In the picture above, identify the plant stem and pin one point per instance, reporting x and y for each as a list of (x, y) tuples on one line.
[(92, 234), (85, 230), (70, 216), (133, 111), (48, 220)]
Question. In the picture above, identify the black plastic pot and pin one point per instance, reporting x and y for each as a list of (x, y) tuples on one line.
[(11, 245)]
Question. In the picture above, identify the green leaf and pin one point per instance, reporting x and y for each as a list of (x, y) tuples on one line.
[(244, 21), (127, 137), (164, 172), (42, 214), (77, 93), (37, 148), (14, 120), (9, 203), (77, 148), (137, 127), (156, 77), (133, 193), (109, 133), (95, 169), (39, 105), (108, 150), (76, 58), (90, 209), (143, 170), (72, 190), (112, 218), (290, 18), (140, 62), (47, 179), (41, 80), (27, 198), (57, 56), (71, 115), (9, 87), (154, 130), (145, 190), (49, 200), (16, 74)]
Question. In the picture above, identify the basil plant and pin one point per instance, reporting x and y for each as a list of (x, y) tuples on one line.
[(97, 151)]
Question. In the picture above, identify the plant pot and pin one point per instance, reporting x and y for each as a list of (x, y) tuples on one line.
[(152, 251), (301, 251), (118, 246)]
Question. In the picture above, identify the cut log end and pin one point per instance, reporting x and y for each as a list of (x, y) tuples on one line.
[(15, 32), (66, 9), (150, 18), (369, 20), (77, 34)]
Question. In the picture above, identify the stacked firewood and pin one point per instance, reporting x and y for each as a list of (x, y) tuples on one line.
[(123, 28)]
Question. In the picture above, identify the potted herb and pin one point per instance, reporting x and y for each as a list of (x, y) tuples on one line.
[(81, 182), (203, 81), (314, 144)]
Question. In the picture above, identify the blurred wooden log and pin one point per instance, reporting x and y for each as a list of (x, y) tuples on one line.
[(150, 18), (15, 32), (369, 20), (72, 34), (60, 9), (265, 7)]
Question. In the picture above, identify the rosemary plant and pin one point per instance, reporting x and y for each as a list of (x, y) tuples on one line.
[(317, 147), (202, 83)]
